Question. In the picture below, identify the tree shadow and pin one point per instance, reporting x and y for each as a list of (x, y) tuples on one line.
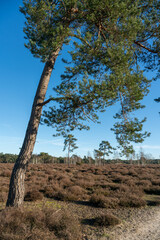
[(83, 203), (88, 221)]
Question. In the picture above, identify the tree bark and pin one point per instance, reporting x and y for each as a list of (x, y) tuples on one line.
[(16, 188)]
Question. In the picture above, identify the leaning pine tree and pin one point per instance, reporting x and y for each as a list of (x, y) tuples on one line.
[(104, 60), (47, 27)]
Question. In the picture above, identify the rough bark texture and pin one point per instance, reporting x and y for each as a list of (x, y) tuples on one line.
[(16, 188)]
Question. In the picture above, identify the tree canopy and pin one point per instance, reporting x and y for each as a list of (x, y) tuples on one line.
[(117, 37)]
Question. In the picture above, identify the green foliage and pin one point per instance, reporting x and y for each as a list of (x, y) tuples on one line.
[(128, 131), (70, 143), (98, 154), (8, 158), (48, 24), (45, 157), (106, 148), (115, 38)]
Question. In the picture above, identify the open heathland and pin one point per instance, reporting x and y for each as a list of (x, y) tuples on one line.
[(78, 202)]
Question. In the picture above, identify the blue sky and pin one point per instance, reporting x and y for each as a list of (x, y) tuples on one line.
[(19, 76)]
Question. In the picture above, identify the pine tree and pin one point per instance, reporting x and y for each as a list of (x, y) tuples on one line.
[(106, 148), (48, 26), (98, 157), (105, 64), (70, 145)]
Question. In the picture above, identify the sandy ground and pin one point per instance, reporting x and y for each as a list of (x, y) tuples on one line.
[(142, 225), (136, 223)]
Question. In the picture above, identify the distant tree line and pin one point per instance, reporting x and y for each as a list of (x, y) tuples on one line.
[(45, 158), (8, 157)]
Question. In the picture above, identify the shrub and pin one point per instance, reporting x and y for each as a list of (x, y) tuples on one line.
[(6, 173), (144, 183), (48, 191), (46, 224), (3, 196), (64, 225), (76, 190), (101, 191), (102, 201), (33, 195), (156, 182), (66, 196), (106, 220), (131, 201), (153, 190), (51, 190)]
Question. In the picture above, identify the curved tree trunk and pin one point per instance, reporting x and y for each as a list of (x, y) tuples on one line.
[(16, 188)]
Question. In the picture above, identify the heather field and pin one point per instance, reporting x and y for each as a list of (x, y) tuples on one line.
[(79, 202)]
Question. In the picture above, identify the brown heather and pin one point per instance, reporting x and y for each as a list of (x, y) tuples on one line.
[(110, 186), (45, 224), (33, 195), (106, 220)]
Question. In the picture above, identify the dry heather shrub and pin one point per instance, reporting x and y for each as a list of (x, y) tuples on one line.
[(46, 224), (123, 171), (115, 175), (123, 188), (113, 186), (101, 191), (63, 179), (143, 184), (145, 176), (102, 201), (66, 182), (33, 195), (3, 196), (131, 201), (68, 170), (64, 225), (49, 172), (132, 172), (66, 196), (84, 183), (16, 224), (98, 171), (4, 187), (153, 190), (50, 178), (50, 190), (6, 173), (120, 179), (156, 182), (40, 175), (76, 190), (106, 220)]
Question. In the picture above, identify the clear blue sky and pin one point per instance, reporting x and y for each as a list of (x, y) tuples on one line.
[(19, 76)]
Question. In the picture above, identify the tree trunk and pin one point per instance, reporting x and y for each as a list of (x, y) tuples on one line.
[(16, 188), (68, 156)]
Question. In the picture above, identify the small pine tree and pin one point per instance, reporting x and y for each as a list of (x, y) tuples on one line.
[(69, 144)]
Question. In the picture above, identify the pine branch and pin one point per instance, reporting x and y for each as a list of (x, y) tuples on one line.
[(80, 38), (124, 114), (143, 46), (53, 99)]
